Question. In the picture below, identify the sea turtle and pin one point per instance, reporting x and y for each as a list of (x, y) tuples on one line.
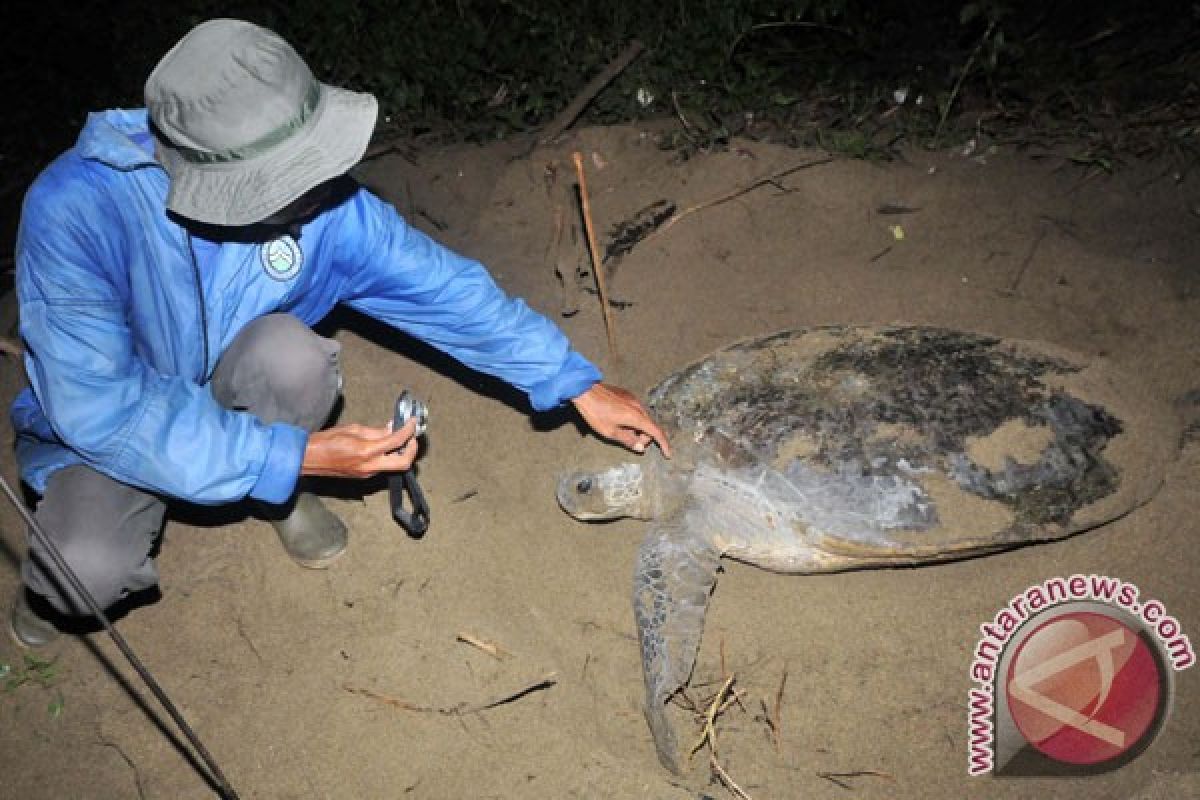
[(837, 448)]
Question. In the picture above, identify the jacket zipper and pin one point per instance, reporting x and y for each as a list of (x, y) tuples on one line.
[(200, 301)]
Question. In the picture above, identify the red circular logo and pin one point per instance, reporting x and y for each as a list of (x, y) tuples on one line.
[(1084, 688)]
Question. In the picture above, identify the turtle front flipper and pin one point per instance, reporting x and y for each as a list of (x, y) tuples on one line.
[(676, 571)]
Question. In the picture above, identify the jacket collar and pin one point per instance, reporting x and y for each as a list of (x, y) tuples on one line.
[(111, 137)]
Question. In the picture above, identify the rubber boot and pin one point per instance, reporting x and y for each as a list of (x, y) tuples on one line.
[(28, 628), (311, 534)]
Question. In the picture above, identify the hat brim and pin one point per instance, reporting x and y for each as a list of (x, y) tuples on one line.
[(247, 191)]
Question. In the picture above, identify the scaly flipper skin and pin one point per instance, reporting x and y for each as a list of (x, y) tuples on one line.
[(675, 572)]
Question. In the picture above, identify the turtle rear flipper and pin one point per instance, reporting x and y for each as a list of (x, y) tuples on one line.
[(675, 573)]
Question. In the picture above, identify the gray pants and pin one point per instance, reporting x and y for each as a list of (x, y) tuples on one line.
[(276, 369)]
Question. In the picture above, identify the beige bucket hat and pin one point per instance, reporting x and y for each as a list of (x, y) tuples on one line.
[(244, 126)]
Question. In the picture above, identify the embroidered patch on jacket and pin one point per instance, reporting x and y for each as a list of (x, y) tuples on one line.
[(282, 258)]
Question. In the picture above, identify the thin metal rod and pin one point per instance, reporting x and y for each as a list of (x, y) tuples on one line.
[(65, 570)]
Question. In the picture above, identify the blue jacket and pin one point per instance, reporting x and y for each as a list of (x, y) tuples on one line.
[(124, 319)]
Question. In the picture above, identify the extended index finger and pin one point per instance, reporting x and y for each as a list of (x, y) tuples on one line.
[(656, 433), (641, 422)]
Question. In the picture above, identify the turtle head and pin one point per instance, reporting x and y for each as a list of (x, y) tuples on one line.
[(643, 490)]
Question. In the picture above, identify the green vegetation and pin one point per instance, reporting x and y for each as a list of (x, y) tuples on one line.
[(1113, 80), (37, 672)]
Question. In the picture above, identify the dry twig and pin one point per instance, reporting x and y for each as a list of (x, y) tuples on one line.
[(727, 781), (772, 179), (718, 705), (774, 719), (460, 709), (1012, 287), (491, 648), (569, 114), (597, 267), (881, 254), (544, 682), (683, 120), (723, 699), (394, 702), (835, 777), (937, 134)]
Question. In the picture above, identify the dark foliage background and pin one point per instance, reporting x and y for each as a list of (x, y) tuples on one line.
[(1111, 80)]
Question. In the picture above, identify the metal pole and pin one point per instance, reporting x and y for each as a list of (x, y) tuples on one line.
[(64, 569)]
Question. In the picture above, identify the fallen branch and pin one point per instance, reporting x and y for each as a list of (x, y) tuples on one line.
[(568, 115), (461, 709), (773, 178)]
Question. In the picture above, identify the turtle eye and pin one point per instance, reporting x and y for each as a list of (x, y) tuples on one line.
[(584, 486)]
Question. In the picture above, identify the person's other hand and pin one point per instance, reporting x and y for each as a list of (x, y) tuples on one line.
[(616, 414), (359, 451)]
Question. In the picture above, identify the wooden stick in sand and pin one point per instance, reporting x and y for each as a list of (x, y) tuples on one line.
[(597, 266), (461, 709), (491, 648)]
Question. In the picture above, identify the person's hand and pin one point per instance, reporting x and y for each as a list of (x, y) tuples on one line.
[(616, 414), (359, 451)]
